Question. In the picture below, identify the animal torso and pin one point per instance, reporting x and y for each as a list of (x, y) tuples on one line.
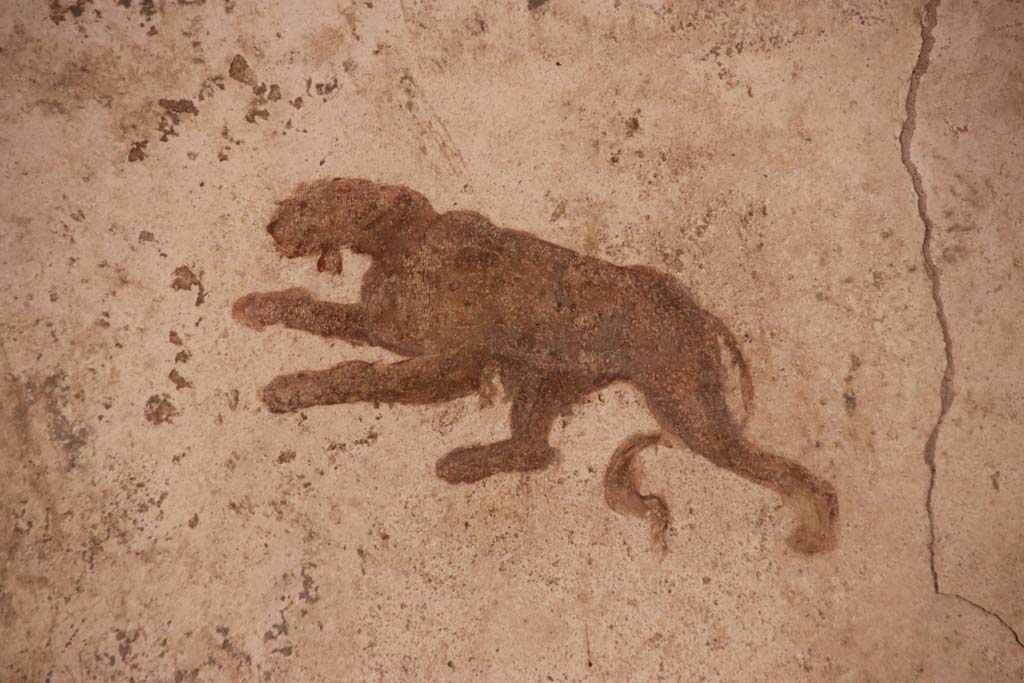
[(461, 282), (455, 294)]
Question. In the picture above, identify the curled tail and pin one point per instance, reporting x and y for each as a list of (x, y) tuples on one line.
[(746, 383), (621, 488)]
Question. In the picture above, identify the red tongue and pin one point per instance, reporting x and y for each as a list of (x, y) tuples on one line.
[(321, 262)]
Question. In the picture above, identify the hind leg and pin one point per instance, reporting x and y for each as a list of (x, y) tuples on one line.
[(693, 408), (535, 405)]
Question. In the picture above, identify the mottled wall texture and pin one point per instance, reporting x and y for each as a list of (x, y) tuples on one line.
[(839, 184)]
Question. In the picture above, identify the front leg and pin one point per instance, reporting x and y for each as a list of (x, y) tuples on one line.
[(296, 308), (424, 379)]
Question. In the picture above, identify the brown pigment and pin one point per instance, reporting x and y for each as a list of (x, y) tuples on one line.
[(459, 297)]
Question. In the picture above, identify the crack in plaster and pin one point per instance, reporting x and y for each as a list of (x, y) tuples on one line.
[(929, 20)]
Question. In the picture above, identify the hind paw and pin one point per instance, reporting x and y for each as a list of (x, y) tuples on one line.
[(816, 529), (473, 463)]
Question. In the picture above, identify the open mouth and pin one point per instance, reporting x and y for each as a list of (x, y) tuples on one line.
[(330, 260)]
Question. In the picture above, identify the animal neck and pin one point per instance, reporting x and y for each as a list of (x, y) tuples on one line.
[(390, 232)]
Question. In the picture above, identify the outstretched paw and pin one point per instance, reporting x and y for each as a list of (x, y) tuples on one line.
[(259, 309), (344, 383), (288, 393)]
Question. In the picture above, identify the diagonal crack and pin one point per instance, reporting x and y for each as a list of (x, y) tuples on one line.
[(929, 19), (1004, 622)]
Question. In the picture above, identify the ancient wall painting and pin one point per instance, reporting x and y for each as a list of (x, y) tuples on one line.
[(458, 296)]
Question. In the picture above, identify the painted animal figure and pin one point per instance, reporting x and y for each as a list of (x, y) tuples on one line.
[(459, 297)]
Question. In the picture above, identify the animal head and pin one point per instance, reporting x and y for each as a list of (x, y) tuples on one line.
[(327, 215)]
